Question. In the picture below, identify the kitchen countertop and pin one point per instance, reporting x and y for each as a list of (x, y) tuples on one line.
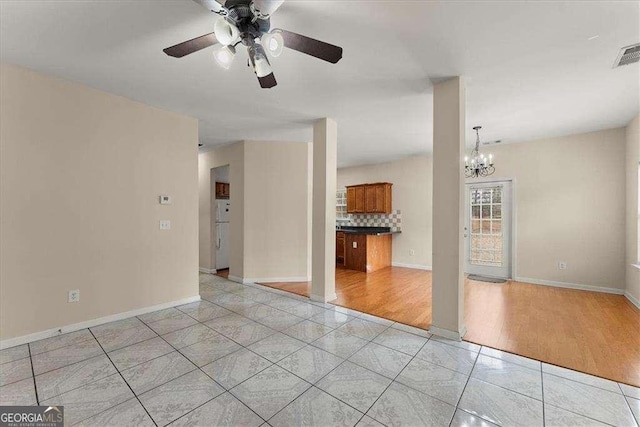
[(374, 231)]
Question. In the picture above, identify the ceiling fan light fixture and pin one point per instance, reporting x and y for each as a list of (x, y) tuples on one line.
[(274, 43), (226, 33), (259, 59), (224, 55), (262, 67)]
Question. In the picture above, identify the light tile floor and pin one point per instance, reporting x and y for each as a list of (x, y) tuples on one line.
[(249, 355)]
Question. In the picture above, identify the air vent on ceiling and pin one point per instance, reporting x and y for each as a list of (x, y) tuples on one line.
[(628, 55)]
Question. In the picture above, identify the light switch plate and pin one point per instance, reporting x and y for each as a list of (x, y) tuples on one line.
[(355, 245), (165, 224), (165, 200)]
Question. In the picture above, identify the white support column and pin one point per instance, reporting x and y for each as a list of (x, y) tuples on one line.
[(323, 252), (448, 208)]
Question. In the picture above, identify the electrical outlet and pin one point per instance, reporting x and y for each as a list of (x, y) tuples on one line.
[(412, 252), (562, 265), (355, 245), (165, 224), (74, 296)]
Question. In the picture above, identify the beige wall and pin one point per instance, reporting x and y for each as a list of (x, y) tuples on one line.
[(412, 192), (276, 211), (633, 257), (270, 212), (568, 195), (81, 172)]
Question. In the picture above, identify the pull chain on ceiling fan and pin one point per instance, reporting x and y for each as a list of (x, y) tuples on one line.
[(248, 23)]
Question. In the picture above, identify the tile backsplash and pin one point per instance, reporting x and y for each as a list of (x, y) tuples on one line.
[(392, 220)]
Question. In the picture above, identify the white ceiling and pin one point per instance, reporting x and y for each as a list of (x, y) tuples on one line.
[(531, 70)]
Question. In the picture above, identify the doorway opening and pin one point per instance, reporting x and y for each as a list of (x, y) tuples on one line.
[(488, 230), (221, 219)]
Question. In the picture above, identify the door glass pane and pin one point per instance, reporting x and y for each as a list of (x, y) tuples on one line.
[(486, 226), (475, 211)]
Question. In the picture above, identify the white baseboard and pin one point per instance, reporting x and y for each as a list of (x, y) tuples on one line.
[(414, 266), (319, 298), (248, 280), (602, 289), (633, 299), (12, 342), (207, 270), (279, 279), (445, 333)]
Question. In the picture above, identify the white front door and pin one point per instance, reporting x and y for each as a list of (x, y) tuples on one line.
[(488, 229)]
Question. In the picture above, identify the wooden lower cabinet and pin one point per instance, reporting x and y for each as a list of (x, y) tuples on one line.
[(371, 252), (340, 247)]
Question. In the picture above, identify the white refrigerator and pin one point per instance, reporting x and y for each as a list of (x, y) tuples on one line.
[(222, 215)]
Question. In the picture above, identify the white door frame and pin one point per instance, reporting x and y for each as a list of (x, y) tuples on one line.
[(513, 240)]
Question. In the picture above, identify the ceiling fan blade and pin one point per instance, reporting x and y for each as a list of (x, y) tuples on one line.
[(268, 81), (211, 5), (313, 47), (190, 46)]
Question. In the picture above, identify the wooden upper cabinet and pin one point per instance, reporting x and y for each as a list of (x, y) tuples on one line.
[(356, 199), (369, 198), (223, 190)]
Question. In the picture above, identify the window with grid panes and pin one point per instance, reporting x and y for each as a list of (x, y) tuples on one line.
[(486, 226)]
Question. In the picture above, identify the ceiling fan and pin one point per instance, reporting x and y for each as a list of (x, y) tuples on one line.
[(247, 22)]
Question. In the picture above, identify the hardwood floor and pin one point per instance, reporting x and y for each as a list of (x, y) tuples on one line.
[(587, 331), (223, 273)]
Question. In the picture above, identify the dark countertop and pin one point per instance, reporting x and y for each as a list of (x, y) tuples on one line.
[(375, 231)]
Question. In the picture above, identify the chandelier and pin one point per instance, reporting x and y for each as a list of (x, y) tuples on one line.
[(478, 164)]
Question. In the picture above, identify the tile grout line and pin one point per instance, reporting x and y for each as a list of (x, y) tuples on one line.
[(456, 406), (626, 400), (581, 415), (177, 350), (33, 376), (391, 383), (125, 381), (308, 382), (585, 384), (200, 369)]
